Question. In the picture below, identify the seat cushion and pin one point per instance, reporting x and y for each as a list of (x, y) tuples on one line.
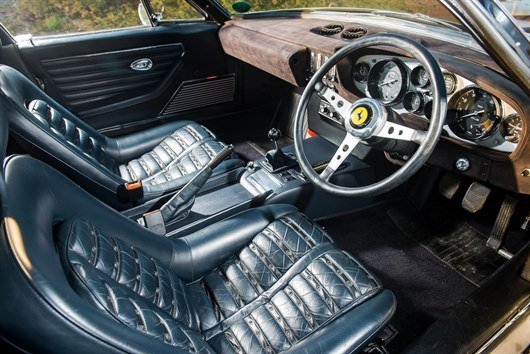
[(181, 154), (281, 288)]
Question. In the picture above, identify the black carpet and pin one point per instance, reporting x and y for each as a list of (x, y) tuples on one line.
[(425, 287), (254, 149), (450, 239), (247, 152)]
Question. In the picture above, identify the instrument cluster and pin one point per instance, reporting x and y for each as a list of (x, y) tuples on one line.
[(473, 115)]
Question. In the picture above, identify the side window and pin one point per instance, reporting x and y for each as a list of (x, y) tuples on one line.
[(62, 17), (173, 10)]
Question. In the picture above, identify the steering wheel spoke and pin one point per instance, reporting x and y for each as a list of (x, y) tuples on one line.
[(346, 147), (392, 130), (339, 103)]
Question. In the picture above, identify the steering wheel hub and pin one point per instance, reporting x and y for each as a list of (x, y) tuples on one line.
[(367, 116)]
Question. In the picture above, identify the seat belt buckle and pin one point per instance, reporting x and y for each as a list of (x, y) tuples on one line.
[(131, 191), (154, 221)]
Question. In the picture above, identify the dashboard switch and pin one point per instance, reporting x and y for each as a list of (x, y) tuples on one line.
[(462, 164)]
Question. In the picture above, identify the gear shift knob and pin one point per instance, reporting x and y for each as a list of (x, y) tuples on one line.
[(275, 135)]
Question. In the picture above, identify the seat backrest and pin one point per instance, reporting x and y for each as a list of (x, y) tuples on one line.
[(50, 132)]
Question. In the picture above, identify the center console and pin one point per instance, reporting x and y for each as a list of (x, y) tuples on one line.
[(266, 181)]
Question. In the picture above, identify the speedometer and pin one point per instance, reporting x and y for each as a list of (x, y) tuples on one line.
[(474, 114), (387, 81)]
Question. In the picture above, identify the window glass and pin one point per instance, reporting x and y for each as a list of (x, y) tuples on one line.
[(174, 10), (433, 8), (49, 17)]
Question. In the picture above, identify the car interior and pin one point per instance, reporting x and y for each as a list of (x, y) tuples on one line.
[(307, 180)]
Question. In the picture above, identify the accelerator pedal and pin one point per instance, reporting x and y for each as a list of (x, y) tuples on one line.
[(449, 185), (475, 197), (502, 222)]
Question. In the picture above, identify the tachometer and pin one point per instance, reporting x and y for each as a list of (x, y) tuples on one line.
[(387, 81), (474, 114)]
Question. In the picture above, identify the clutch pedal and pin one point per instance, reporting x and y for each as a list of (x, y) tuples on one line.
[(475, 197)]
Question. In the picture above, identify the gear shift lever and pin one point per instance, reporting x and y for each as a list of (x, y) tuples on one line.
[(276, 158)]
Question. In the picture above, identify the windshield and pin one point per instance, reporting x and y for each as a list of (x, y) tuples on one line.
[(432, 8)]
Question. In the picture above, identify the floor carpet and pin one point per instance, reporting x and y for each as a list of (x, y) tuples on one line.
[(424, 286)]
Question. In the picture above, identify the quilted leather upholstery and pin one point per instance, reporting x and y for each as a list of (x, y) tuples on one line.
[(86, 144), (165, 156), (285, 284), (184, 152)]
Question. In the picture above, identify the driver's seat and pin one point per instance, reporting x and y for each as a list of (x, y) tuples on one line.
[(80, 277)]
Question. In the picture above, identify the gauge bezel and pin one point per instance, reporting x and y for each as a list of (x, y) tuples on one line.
[(414, 77), (410, 109), (372, 80), (504, 129), (353, 71), (498, 113), (455, 82)]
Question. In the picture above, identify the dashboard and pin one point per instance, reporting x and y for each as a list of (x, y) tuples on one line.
[(488, 115), (473, 114)]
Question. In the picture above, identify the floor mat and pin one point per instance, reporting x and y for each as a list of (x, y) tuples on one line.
[(452, 240), (425, 287)]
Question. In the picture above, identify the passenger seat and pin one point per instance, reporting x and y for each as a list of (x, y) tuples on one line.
[(163, 158)]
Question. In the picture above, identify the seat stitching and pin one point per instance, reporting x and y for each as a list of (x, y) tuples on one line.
[(277, 240), (138, 278), (233, 341), (334, 267), (250, 276), (258, 334), (301, 306), (231, 288), (278, 318), (310, 242), (261, 255), (117, 263), (320, 290), (156, 298)]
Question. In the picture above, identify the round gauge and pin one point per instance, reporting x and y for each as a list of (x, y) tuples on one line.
[(475, 114), (360, 72), (387, 81), (419, 77), (427, 109), (512, 127), (413, 101), (450, 83)]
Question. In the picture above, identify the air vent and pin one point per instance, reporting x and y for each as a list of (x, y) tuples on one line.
[(353, 33), (329, 30), (201, 93)]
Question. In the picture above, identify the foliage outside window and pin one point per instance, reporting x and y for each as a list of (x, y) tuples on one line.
[(48, 17), (431, 8)]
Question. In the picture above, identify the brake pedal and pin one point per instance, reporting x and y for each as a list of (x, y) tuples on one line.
[(502, 222), (475, 197), (449, 184)]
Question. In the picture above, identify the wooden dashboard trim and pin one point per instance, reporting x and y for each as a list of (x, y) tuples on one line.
[(281, 47)]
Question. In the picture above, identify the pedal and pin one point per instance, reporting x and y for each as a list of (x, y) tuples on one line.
[(502, 222), (475, 197), (449, 185)]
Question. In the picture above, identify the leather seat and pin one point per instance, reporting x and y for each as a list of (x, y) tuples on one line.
[(81, 277), (164, 158)]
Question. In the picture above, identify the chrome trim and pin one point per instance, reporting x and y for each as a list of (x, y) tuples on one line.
[(143, 64)]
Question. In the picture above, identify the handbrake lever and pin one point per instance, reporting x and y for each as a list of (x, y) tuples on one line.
[(179, 206)]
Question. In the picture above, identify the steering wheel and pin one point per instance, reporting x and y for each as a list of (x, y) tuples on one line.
[(368, 118)]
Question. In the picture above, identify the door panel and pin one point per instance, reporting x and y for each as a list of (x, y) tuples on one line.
[(97, 83), (91, 74)]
